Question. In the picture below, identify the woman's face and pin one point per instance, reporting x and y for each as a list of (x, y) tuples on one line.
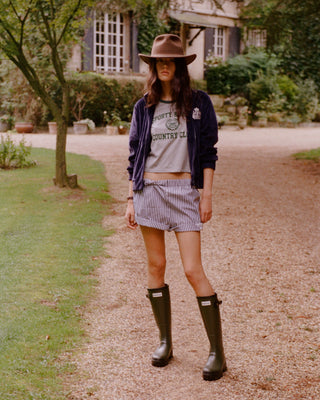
[(166, 68)]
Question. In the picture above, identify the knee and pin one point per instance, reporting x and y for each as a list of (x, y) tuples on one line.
[(157, 266), (194, 276)]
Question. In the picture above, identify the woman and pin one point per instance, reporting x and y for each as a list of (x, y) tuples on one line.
[(172, 155)]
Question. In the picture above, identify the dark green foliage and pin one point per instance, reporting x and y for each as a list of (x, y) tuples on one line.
[(127, 96), (287, 87), (218, 80), (94, 94), (98, 94), (150, 25), (101, 94), (261, 89), (293, 33), (232, 76), (257, 76)]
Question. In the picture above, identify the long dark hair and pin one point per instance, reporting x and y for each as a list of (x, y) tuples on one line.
[(181, 89)]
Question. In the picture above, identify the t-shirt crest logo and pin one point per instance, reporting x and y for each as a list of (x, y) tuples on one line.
[(172, 124), (196, 114)]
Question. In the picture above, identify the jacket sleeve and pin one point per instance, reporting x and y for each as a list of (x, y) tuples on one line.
[(208, 134), (133, 139)]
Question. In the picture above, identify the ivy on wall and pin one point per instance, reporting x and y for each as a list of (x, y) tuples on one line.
[(150, 25)]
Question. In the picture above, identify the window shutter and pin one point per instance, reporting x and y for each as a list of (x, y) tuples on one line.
[(234, 41), (134, 48), (208, 45), (87, 62)]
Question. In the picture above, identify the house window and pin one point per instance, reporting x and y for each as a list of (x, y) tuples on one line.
[(109, 31), (257, 38), (218, 44)]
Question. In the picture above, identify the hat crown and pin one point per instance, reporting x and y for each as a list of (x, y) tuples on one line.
[(167, 45)]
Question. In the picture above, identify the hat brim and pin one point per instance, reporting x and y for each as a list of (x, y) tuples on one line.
[(147, 59)]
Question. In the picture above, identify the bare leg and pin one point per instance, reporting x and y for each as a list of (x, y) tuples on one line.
[(155, 247), (158, 293), (190, 252)]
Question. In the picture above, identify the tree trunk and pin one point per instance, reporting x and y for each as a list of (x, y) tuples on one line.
[(61, 179)]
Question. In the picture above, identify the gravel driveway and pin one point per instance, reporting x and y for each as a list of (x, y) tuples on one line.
[(261, 251)]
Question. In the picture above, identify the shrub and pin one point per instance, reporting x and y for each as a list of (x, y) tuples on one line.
[(97, 95), (17, 98), (218, 80), (233, 76), (14, 155), (306, 102), (287, 87), (261, 90), (128, 94), (256, 77)]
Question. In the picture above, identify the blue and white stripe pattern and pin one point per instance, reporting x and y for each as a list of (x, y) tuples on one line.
[(169, 205)]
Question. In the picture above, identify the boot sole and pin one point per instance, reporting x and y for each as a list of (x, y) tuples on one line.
[(213, 376), (162, 362)]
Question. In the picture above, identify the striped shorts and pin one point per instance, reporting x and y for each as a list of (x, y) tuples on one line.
[(169, 205)]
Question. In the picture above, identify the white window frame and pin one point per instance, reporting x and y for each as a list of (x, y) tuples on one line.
[(109, 43), (219, 42), (257, 37)]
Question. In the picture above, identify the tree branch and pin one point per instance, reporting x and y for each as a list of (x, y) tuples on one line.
[(71, 15), (47, 35)]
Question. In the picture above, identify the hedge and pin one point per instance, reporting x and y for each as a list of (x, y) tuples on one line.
[(98, 94)]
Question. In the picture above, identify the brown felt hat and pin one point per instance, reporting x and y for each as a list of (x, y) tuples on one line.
[(167, 46)]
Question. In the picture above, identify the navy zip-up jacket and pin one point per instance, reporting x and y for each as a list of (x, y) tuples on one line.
[(202, 135)]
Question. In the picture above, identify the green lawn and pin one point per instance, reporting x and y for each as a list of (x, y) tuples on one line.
[(313, 155), (50, 242)]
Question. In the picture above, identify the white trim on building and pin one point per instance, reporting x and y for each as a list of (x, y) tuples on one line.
[(109, 42), (256, 37), (218, 48)]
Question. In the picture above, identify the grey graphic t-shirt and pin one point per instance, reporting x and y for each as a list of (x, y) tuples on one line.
[(169, 147)]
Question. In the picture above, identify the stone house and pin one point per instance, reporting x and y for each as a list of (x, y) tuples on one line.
[(111, 40)]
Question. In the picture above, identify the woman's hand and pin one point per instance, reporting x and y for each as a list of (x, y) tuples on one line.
[(131, 222), (205, 208), (206, 195)]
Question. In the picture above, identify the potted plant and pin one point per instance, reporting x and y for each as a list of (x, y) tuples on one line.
[(123, 127), (24, 127), (112, 122), (81, 127)]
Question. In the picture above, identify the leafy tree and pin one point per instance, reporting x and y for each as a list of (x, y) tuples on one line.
[(37, 35), (293, 32)]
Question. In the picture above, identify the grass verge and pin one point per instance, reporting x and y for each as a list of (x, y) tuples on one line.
[(50, 242), (313, 155)]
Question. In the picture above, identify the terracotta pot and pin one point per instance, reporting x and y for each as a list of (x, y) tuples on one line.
[(122, 130), (24, 127)]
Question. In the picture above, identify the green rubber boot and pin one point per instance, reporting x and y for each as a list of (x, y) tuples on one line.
[(160, 302), (216, 364)]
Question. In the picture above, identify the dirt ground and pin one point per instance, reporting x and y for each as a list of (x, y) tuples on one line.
[(261, 251)]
